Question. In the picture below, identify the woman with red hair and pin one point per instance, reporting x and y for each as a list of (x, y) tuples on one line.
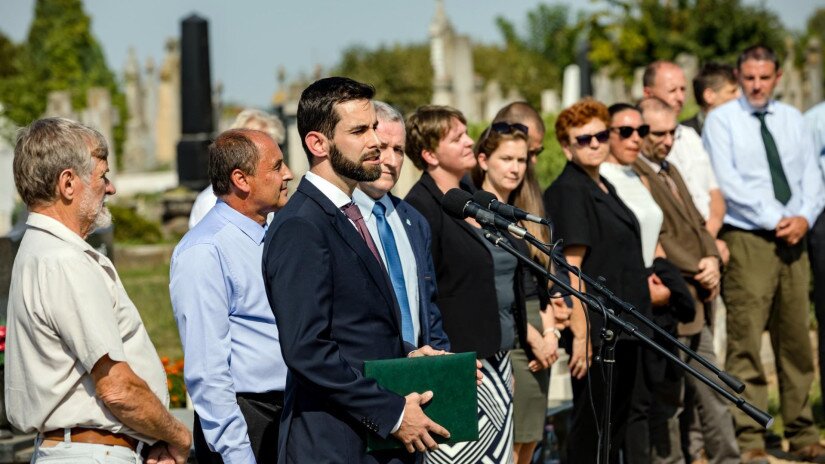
[(601, 236)]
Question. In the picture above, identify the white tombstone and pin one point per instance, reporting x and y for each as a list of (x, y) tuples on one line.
[(571, 85), (550, 102)]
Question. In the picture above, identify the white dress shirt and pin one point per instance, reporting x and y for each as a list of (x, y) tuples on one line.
[(402, 243), (689, 156)]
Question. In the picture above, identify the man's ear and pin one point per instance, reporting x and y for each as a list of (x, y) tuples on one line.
[(317, 143), (429, 158), (240, 180), (68, 183), (709, 96)]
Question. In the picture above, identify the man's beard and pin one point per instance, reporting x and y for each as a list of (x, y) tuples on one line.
[(95, 212), (351, 169)]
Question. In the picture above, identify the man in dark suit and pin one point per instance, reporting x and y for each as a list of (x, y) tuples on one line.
[(403, 236), (692, 249), (332, 297)]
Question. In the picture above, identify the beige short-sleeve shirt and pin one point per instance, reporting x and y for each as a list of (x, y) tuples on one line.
[(67, 309)]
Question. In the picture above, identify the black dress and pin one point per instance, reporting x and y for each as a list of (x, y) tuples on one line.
[(585, 215)]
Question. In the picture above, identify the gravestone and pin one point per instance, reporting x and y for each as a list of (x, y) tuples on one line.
[(59, 104), (100, 115), (571, 85), (136, 149), (550, 102), (167, 120)]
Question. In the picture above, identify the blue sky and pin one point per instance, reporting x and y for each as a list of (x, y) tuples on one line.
[(250, 39)]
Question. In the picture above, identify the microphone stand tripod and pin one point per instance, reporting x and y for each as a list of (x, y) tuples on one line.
[(761, 417)]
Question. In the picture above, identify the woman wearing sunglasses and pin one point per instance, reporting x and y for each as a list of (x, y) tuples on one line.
[(474, 280), (601, 236), (503, 162)]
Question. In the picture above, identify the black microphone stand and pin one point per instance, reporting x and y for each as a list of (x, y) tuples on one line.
[(621, 305), (761, 417)]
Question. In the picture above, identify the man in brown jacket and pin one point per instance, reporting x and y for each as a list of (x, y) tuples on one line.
[(692, 249)]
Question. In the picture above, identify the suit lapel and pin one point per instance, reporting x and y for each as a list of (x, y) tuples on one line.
[(353, 239), (428, 183)]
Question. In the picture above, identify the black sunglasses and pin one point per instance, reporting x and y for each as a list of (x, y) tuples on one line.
[(507, 128), (671, 132), (535, 152), (627, 131), (585, 139), (502, 128)]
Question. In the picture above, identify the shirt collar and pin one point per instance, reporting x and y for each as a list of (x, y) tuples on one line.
[(746, 105), (250, 228), (653, 165), (366, 203), (335, 195), (58, 229)]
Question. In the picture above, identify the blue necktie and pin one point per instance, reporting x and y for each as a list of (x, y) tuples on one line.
[(396, 272)]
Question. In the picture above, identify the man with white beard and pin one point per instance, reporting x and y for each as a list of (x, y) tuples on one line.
[(81, 370)]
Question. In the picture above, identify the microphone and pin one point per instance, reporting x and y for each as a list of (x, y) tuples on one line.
[(459, 204), (488, 200)]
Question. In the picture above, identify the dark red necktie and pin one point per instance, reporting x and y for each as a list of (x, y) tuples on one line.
[(354, 214)]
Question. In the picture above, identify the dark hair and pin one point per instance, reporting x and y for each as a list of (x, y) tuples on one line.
[(520, 111), (617, 108), (712, 76), (488, 143), (233, 149), (316, 108), (426, 127), (758, 52)]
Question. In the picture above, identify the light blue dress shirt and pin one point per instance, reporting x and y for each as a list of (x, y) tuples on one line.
[(733, 139), (228, 331), (815, 117), (402, 242)]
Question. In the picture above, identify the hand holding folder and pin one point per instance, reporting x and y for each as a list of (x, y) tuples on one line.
[(452, 380)]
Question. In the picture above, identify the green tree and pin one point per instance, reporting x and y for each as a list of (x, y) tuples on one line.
[(533, 60), (628, 34), (60, 53), (401, 74)]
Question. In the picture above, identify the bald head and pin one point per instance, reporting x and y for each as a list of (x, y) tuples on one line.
[(665, 80), (523, 113), (662, 121)]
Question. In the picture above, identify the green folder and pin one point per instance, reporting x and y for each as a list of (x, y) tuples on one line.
[(451, 378)]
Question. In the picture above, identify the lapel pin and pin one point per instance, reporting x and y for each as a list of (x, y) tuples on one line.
[(408, 222)]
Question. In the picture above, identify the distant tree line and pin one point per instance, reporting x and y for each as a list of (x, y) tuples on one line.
[(59, 53)]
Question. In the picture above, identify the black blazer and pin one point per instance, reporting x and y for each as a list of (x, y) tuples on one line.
[(465, 277), (335, 309), (583, 214)]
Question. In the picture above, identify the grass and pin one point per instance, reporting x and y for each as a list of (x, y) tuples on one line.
[(148, 287)]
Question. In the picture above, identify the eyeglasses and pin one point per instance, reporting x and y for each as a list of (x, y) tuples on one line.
[(626, 132), (535, 152), (671, 132), (585, 139)]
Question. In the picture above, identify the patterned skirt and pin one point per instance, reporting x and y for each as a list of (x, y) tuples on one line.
[(495, 419)]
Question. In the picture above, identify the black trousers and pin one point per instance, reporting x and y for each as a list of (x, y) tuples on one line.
[(583, 446), (262, 412), (816, 253)]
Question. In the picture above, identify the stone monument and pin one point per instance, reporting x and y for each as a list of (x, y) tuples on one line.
[(167, 120)]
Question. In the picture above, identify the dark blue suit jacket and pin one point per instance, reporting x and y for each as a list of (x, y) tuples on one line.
[(418, 232), (335, 309)]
